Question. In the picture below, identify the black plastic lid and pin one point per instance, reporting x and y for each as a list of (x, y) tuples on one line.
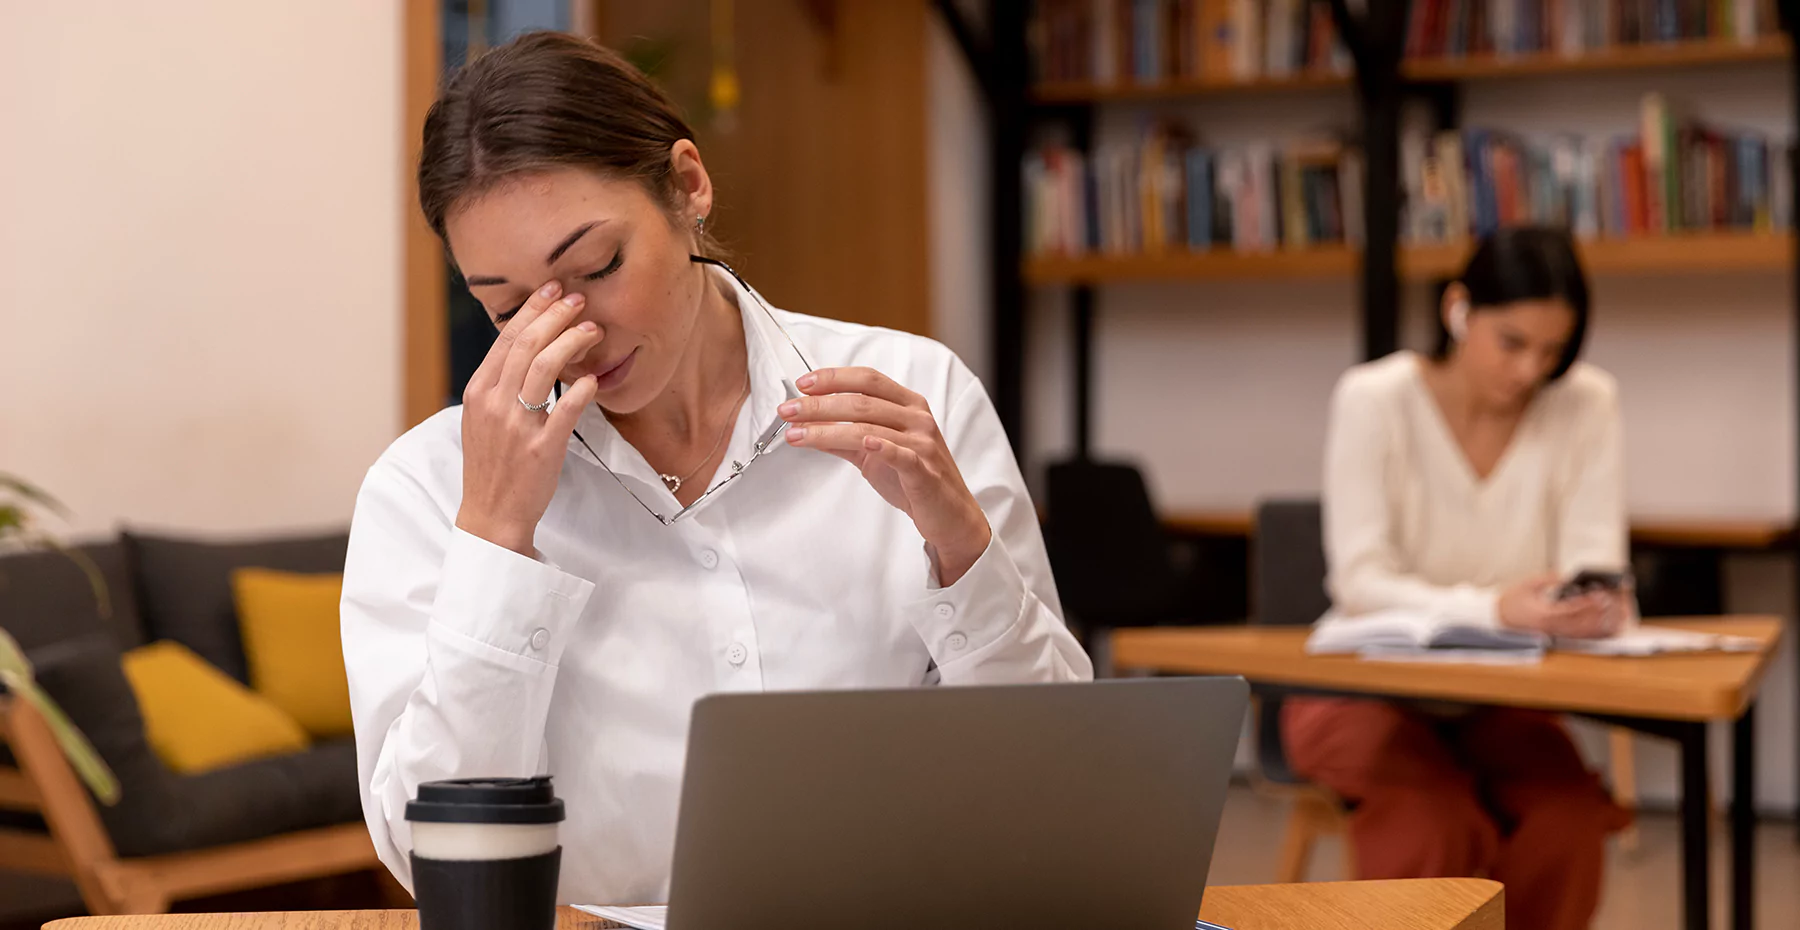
[(487, 800)]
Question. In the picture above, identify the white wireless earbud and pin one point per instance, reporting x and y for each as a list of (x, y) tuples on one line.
[(1459, 320)]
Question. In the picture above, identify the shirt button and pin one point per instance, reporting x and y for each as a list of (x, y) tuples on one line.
[(957, 642), (944, 611), (540, 638), (737, 654), (709, 559)]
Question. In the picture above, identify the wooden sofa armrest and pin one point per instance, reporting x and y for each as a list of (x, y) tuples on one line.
[(78, 845), (76, 833)]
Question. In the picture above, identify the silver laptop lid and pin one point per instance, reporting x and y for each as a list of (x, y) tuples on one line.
[(1039, 806)]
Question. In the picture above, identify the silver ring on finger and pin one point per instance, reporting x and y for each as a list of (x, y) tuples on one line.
[(535, 408)]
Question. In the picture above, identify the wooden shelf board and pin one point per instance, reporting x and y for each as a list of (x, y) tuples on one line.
[(1653, 531), (1210, 522), (1184, 265), (1680, 253), (1617, 58), (1677, 253), (1094, 92), (1485, 67), (1720, 534)]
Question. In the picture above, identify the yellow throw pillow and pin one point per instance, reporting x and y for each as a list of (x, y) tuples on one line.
[(199, 718), (294, 647)]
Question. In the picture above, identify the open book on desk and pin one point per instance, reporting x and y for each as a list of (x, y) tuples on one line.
[(1404, 635)]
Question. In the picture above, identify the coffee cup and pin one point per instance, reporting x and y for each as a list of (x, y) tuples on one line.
[(485, 853)]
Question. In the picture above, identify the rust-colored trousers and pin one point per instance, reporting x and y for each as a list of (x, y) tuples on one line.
[(1495, 792)]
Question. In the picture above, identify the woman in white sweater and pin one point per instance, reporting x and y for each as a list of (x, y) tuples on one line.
[(1465, 485)]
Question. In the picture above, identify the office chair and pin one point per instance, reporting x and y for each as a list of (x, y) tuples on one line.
[(1114, 564), (1288, 564)]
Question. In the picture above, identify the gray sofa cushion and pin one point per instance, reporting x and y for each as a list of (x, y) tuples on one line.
[(160, 811), (185, 586), (46, 597)]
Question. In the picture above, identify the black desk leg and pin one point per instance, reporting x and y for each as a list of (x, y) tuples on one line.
[(1696, 859), (1743, 821)]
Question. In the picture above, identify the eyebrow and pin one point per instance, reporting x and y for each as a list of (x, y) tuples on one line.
[(556, 253)]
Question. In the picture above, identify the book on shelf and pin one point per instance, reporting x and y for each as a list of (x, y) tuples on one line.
[(1148, 42), (1164, 192), (1675, 175), (1505, 28)]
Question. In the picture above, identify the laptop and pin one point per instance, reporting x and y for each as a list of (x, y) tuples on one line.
[(1051, 807)]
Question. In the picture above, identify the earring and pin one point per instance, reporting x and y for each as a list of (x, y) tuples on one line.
[(700, 224)]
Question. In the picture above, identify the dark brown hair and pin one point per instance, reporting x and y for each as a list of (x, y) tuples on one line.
[(1526, 263), (545, 101)]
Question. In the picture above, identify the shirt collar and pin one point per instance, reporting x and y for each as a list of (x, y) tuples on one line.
[(774, 360)]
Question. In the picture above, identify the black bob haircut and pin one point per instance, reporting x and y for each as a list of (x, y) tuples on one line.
[(1525, 263)]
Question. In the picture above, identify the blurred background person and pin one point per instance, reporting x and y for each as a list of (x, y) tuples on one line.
[(1466, 485)]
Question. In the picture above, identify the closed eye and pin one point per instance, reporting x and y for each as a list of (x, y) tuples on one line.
[(612, 266)]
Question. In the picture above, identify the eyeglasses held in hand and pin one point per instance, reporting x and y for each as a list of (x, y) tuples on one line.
[(787, 356)]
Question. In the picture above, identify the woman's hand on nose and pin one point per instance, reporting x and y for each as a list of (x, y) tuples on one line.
[(512, 454)]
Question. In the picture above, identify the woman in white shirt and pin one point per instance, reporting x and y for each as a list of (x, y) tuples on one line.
[(531, 586), (1464, 486)]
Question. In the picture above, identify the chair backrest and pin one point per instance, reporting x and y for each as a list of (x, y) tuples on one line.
[(1106, 545), (1288, 560)]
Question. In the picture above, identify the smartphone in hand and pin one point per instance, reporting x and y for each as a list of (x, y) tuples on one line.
[(1588, 581)]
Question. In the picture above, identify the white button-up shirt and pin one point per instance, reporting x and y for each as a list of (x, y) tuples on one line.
[(468, 659)]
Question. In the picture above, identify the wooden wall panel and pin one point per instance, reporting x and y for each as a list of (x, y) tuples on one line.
[(822, 180), (425, 341)]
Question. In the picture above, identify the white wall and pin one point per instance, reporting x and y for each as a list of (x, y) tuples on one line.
[(957, 175), (1219, 389), (200, 250)]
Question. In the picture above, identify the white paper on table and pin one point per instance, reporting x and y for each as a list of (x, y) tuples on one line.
[(1453, 656), (642, 918), (1650, 641)]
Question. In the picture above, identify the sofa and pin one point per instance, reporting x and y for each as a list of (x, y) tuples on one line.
[(164, 588)]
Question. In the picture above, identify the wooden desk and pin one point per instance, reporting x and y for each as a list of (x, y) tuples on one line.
[(1428, 904), (1669, 696), (1713, 686)]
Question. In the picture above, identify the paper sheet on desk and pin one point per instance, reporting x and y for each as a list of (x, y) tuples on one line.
[(640, 918), (1650, 641)]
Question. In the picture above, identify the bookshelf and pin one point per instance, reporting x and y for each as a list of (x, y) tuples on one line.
[(1682, 253), (1378, 34)]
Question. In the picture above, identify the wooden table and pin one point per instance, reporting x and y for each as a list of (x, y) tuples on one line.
[(1669, 696), (1426, 904)]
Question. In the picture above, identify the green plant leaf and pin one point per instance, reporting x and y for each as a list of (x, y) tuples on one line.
[(33, 494), (15, 670), (15, 674)]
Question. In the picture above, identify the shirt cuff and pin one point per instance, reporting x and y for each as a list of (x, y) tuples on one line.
[(963, 620), (1471, 606), (518, 606)]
